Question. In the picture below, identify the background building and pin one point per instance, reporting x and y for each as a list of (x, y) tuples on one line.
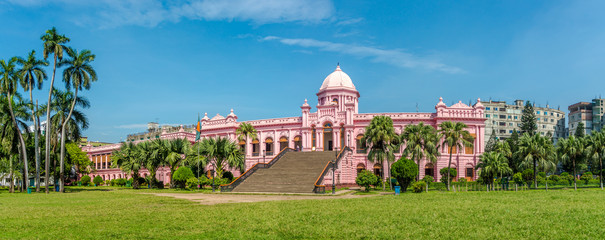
[(589, 113), (506, 118)]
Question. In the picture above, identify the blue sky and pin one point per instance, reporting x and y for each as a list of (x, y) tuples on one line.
[(169, 61)]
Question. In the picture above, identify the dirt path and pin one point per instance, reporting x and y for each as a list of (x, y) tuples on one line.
[(212, 199)]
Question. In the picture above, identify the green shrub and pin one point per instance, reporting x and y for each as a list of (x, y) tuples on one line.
[(528, 176), (228, 175), (418, 187), (192, 183), (444, 173), (97, 180), (541, 180), (566, 176), (121, 182), (366, 178), (462, 180), (542, 174), (85, 180), (428, 179), (405, 171), (181, 175), (518, 178), (554, 178), (586, 177)]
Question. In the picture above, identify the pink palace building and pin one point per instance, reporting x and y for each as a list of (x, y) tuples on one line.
[(335, 123)]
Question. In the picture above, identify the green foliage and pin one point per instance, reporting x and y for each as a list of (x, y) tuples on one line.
[(528, 176), (418, 187), (366, 178), (78, 158), (542, 174), (121, 182), (405, 171), (554, 178), (462, 180), (518, 178), (181, 176), (579, 130), (192, 183), (428, 179), (528, 120), (541, 180), (85, 180), (444, 172), (586, 177), (566, 177), (491, 142), (228, 175), (97, 180)]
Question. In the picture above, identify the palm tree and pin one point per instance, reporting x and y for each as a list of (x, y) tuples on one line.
[(32, 75), (571, 150), (245, 131), (195, 158), (79, 75), (595, 150), (176, 149), (420, 142), (128, 161), (534, 151), (9, 168), (53, 44), (62, 106), (220, 153), (454, 136), (380, 136), (9, 79), (493, 164)]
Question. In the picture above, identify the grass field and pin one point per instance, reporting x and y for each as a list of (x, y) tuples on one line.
[(103, 213)]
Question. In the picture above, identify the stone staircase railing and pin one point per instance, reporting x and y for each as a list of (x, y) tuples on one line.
[(319, 187), (236, 182)]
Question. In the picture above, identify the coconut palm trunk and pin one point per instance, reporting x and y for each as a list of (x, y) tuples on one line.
[(575, 187), (601, 173), (63, 137), (36, 140), (21, 140), (48, 123), (449, 168)]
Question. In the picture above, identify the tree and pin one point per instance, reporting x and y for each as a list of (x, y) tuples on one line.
[(9, 80), (244, 132), (491, 142), (455, 137), (513, 144), (571, 150), (404, 170), (174, 157), (536, 151), (79, 74), (220, 153), (595, 151), (447, 175), (128, 160), (579, 130), (53, 44), (366, 178), (9, 168), (78, 158), (528, 120), (181, 175), (420, 142), (380, 136), (85, 180), (529, 176), (32, 75), (492, 164), (97, 181)]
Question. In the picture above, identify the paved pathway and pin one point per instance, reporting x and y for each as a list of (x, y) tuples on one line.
[(212, 199)]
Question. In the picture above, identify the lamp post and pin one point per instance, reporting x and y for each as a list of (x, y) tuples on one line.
[(334, 172), (264, 156), (213, 180)]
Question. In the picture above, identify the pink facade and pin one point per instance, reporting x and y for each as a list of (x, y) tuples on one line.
[(335, 123)]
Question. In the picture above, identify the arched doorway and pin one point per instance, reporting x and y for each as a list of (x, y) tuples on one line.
[(328, 137), (298, 143), (429, 170), (469, 172), (283, 143)]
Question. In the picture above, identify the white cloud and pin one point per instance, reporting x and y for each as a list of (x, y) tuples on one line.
[(349, 21), (395, 57), (150, 13)]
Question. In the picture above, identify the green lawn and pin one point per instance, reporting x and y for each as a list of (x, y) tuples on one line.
[(103, 213)]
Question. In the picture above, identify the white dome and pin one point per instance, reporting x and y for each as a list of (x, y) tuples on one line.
[(337, 79)]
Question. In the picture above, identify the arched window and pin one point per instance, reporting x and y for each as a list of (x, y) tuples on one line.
[(269, 146), (242, 146), (360, 145), (342, 137), (328, 142), (469, 172), (313, 137), (378, 169), (360, 167), (255, 147), (335, 100), (283, 143)]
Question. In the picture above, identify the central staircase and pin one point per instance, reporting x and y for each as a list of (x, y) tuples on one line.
[(294, 172)]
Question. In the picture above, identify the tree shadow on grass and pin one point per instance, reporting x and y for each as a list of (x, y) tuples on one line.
[(76, 190)]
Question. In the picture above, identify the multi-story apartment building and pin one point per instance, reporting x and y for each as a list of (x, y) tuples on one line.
[(588, 113), (505, 118)]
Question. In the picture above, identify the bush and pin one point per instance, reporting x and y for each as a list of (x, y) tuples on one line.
[(567, 177), (542, 174), (405, 171), (120, 182), (366, 178), (97, 180), (85, 180), (541, 180), (462, 180), (518, 178), (554, 178), (586, 177), (228, 175), (419, 186), (192, 183), (181, 175), (528, 176), (428, 179), (444, 173)]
